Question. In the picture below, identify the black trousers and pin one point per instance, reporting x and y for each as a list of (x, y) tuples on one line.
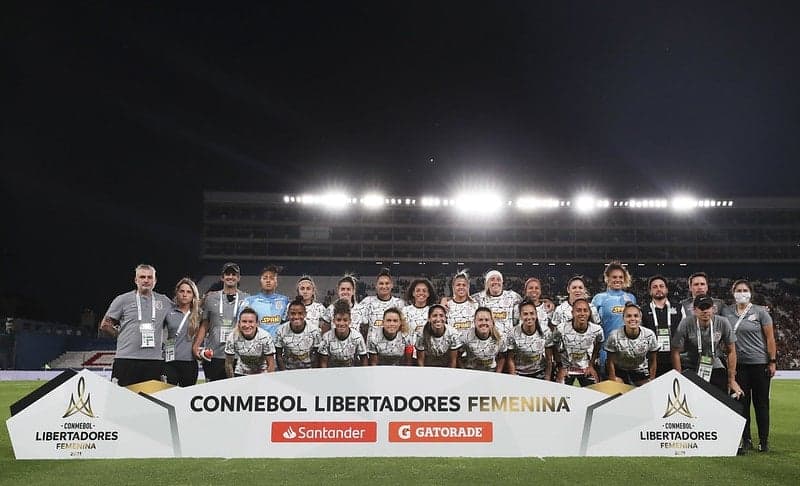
[(129, 371), (214, 369), (181, 373), (754, 380)]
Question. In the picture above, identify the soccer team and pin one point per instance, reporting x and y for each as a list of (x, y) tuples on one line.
[(232, 333)]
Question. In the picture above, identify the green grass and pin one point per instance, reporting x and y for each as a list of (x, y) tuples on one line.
[(780, 466)]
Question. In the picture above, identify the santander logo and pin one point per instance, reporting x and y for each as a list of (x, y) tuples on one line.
[(324, 432)]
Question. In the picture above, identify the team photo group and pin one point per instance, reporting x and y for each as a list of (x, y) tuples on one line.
[(612, 335)]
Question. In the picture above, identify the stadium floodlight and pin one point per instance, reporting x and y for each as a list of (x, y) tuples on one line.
[(286, 199), (683, 203), (372, 201), (431, 202), (478, 203), (334, 200), (530, 202), (587, 203)]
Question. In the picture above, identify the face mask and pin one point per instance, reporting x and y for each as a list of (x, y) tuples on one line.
[(742, 297)]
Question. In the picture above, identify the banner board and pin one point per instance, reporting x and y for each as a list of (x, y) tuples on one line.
[(372, 411)]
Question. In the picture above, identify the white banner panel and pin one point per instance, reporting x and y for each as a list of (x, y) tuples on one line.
[(89, 417), (670, 416), (380, 411), (374, 411)]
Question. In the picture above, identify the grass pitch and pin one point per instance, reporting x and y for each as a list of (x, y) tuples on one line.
[(781, 466)]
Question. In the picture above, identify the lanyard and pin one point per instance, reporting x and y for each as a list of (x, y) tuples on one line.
[(746, 310), (655, 316), (183, 321), (699, 338), (139, 308), (235, 303)]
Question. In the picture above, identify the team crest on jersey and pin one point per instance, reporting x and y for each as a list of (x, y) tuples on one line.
[(158, 304)]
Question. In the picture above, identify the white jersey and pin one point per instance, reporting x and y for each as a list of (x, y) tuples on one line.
[(341, 352), (389, 351), (314, 312), (575, 347), (296, 348), (250, 354), (437, 349), (529, 355), (416, 317), (631, 354), (372, 309), (355, 316), (563, 313), (502, 307), (461, 316), (481, 354), (541, 315)]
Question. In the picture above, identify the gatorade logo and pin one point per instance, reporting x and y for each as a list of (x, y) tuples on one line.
[(324, 432), (441, 432)]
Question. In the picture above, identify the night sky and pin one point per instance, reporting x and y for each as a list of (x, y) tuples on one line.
[(116, 118)]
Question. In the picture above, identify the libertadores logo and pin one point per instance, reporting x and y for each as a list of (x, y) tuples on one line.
[(82, 404), (441, 432), (324, 432), (677, 402)]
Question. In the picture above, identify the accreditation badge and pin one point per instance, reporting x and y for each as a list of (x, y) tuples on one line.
[(706, 367), (663, 339), (169, 350), (148, 334), (225, 330)]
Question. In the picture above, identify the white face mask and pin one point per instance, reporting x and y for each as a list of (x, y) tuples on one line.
[(742, 297)]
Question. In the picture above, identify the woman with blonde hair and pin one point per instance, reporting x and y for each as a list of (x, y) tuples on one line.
[(390, 344), (484, 344), (182, 323)]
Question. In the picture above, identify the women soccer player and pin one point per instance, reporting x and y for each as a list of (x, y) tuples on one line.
[(297, 341), (346, 290), (182, 323), (420, 296), (578, 342), (484, 344), (438, 343), (370, 310), (576, 289), (530, 348), (611, 303), (250, 346), (632, 350), (461, 307), (307, 289), (390, 344), (342, 345), (501, 302)]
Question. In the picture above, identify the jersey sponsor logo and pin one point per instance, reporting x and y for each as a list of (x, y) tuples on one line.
[(324, 432), (441, 432), (499, 315), (271, 320), (378, 323), (618, 309)]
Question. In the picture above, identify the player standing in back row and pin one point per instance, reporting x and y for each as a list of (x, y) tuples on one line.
[(270, 306)]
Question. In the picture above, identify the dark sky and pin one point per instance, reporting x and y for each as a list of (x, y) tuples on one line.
[(115, 118)]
